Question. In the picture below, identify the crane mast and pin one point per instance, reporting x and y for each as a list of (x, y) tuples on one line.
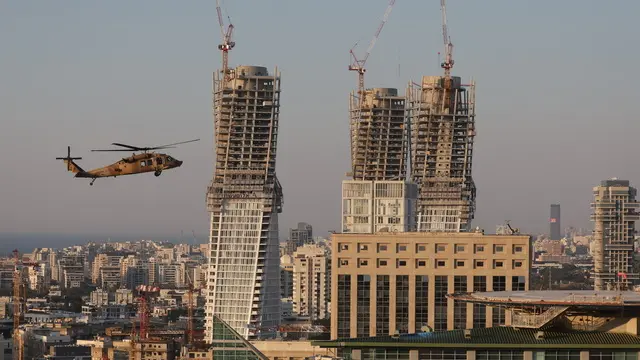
[(359, 66), (226, 46), (448, 62)]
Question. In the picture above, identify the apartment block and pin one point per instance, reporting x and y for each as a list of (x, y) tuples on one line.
[(615, 211), (375, 206), (311, 279), (383, 283)]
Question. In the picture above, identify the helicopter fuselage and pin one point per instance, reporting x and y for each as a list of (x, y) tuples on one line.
[(135, 164)]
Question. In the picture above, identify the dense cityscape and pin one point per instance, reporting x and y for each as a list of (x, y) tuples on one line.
[(407, 276)]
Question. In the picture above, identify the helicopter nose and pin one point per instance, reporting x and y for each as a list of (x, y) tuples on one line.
[(178, 163)]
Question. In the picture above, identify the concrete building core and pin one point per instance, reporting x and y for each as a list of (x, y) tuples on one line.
[(378, 135), (378, 206), (383, 283), (244, 200), (442, 118), (615, 211)]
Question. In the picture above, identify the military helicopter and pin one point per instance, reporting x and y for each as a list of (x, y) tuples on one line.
[(147, 161)]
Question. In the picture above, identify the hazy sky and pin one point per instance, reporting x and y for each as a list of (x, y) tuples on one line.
[(556, 89)]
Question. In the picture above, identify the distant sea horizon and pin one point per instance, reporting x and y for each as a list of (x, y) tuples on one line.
[(27, 241)]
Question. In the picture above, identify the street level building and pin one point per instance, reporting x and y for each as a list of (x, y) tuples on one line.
[(382, 283)]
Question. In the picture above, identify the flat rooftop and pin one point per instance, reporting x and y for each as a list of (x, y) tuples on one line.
[(553, 298)]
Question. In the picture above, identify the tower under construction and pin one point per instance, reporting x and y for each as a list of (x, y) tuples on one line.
[(442, 116), (615, 211), (378, 135), (244, 200)]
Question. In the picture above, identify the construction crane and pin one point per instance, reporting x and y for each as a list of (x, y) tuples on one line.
[(19, 300), (226, 46), (448, 62), (359, 64)]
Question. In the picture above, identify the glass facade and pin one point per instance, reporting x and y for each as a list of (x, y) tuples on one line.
[(402, 303), (382, 305), (613, 355), (227, 344), (557, 355), (385, 354), (479, 310), (441, 291), (344, 306), (499, 355), (437, 354), (422, 301), (459, 308), (363, 301)]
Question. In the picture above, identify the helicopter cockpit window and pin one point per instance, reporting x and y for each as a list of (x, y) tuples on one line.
[(169, 159)]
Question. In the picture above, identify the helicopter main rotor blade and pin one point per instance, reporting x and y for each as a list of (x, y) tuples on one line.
[(127, 150), (171, 145), (129, 146)]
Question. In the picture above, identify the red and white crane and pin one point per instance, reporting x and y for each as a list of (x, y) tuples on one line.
[(359, 64), (226, 46)]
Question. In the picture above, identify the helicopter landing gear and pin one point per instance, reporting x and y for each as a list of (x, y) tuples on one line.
[(92, 181), (157, 172)]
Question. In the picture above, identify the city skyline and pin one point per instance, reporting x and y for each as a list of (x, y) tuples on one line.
[(113, 66)]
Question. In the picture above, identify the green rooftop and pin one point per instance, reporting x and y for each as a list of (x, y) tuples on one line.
[(495, 338)]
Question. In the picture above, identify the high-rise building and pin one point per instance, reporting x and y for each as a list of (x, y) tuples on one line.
[(383, 283), (311, 281), (442, 117), (555, 232), (299, 236), (378, 135), (244, 200), (615, 211)]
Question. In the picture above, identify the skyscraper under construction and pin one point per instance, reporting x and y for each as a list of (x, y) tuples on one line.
[(244, 200), (442, 117)]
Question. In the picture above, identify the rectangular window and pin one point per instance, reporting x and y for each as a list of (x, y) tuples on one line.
[(402, 247), (517, 264), (459, 308), (343, 247), (459, 263), (459, 248), (382, 247), (421, 263), (499, 355), (363, 247), (478, 264), (499, 284), (363, 301), (402, 303), (518, 283), (517, 249), (382, 263), (363, 262), (557, 355), (441, 248), (344, 306), (441, 264), (498, 264), (478, 248), (382, 305), (479, 310), (421, 248), (402, 263), (440, 308), (422, 301), (437, 354), (344, 262), (498, 248), (613, 355)]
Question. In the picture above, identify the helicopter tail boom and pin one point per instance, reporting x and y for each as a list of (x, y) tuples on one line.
[(71, 164)]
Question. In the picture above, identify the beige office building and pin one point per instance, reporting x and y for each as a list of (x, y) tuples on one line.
[(382, 283)]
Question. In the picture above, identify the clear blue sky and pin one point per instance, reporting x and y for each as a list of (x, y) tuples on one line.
[(557, 91)]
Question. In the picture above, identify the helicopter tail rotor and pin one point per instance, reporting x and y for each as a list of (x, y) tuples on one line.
[(71, 165)]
